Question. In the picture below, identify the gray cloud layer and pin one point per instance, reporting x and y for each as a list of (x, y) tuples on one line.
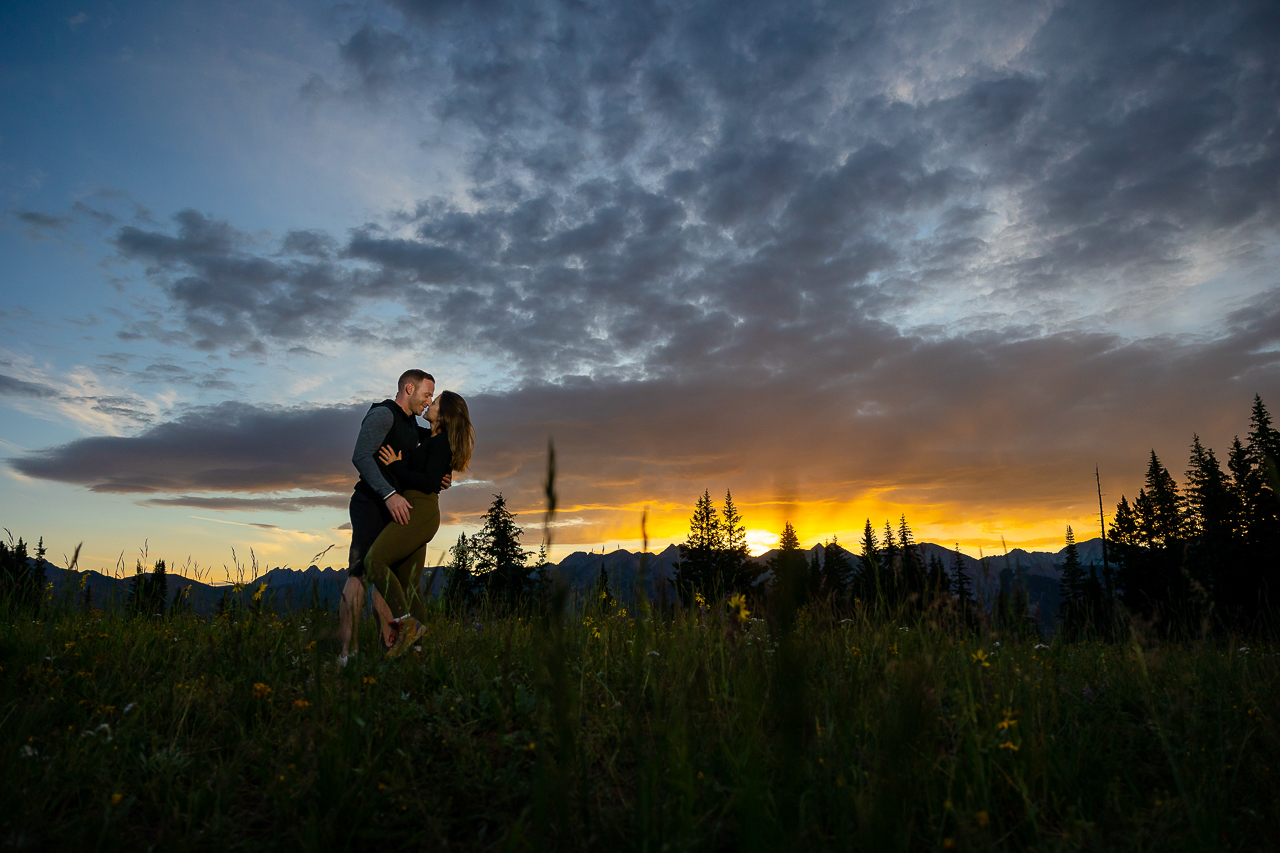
[(13, 387), (652, 185), (985, 423)]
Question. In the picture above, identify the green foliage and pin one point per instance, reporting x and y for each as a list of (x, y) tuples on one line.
[(713, 558), (499, 561), (837, 571), (579, 731), (460, 583), (1205, 556), (22, 580)]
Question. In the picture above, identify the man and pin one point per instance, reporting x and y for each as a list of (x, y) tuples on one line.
[(376, 502)]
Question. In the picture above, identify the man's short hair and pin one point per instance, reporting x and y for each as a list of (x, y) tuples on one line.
[(415, 376)]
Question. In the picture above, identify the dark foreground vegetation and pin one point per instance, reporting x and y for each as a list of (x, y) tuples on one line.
[(868, 703), (608, 729)]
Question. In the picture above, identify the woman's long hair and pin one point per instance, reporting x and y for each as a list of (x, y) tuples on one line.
[(455, 420)]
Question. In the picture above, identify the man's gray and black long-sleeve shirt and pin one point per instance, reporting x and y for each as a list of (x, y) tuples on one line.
[(386, 423)]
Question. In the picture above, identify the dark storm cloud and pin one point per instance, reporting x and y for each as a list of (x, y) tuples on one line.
[(229, 447), (989, 422), (9, 386), (295, 504)]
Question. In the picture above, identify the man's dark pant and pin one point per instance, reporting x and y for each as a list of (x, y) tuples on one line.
[(368, 517)]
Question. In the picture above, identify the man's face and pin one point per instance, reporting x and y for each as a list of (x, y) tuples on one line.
[(421, 395)]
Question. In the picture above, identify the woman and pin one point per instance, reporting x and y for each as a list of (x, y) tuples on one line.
[(447, 448)]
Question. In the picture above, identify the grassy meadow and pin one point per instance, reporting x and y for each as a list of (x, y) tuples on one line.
[(615, 730)]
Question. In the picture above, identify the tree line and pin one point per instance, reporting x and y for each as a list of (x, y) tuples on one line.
[(1199, 557)]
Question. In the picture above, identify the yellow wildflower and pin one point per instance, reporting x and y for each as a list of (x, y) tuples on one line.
[(980, 657), (261, 690)]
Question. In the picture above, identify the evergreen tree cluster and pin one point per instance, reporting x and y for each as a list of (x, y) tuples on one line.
[(713, 560), (492, 563), (1205, 553), (149, 591), (22, 576)]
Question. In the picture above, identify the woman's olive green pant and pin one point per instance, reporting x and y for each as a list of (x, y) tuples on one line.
[(395, 561)]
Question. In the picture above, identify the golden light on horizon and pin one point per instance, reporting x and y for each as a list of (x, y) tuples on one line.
[(760, 541)]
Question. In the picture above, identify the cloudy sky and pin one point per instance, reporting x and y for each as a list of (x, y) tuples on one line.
[(848, 260)]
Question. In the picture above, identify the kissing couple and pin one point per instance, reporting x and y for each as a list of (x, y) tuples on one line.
[(395, 508)]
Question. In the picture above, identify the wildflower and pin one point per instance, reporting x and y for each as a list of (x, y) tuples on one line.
[(369, 679), (1008, 721), (128, 708), (980, 657), (738, 605), (116, 798), (893, 650), (1009, 745), (257, 596), (27, 751), (855, 651), (533, 744), (301, 703), (983, 818), (1244, 650), (904, 628), (654, 653), (261, 690), (996, 644), (1041, 646)]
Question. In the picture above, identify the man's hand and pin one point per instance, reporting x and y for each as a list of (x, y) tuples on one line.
[(399, 508), (447, 481)]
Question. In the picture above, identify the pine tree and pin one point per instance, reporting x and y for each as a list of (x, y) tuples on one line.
[(136, 602), (1071, 586), (36, 578), (15, 574), (890, 575), (155, 590), (499, 560), (603, 597), (1213, 518), (701, 555), (937, 587), (867, 585), (460, 573), (789, 573), (1161, 519), (1262, 536), (963, 587), (813, 580), (912, 573), (836, 570), (734, 571)]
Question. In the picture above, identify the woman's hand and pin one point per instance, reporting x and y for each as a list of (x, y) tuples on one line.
[(386, 455)]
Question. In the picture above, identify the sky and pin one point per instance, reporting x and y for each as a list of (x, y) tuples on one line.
[(848, 261)]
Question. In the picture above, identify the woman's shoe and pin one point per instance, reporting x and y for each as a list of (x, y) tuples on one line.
[(411, 630)]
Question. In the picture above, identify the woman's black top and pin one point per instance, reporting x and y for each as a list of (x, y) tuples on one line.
[(422, 469)]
